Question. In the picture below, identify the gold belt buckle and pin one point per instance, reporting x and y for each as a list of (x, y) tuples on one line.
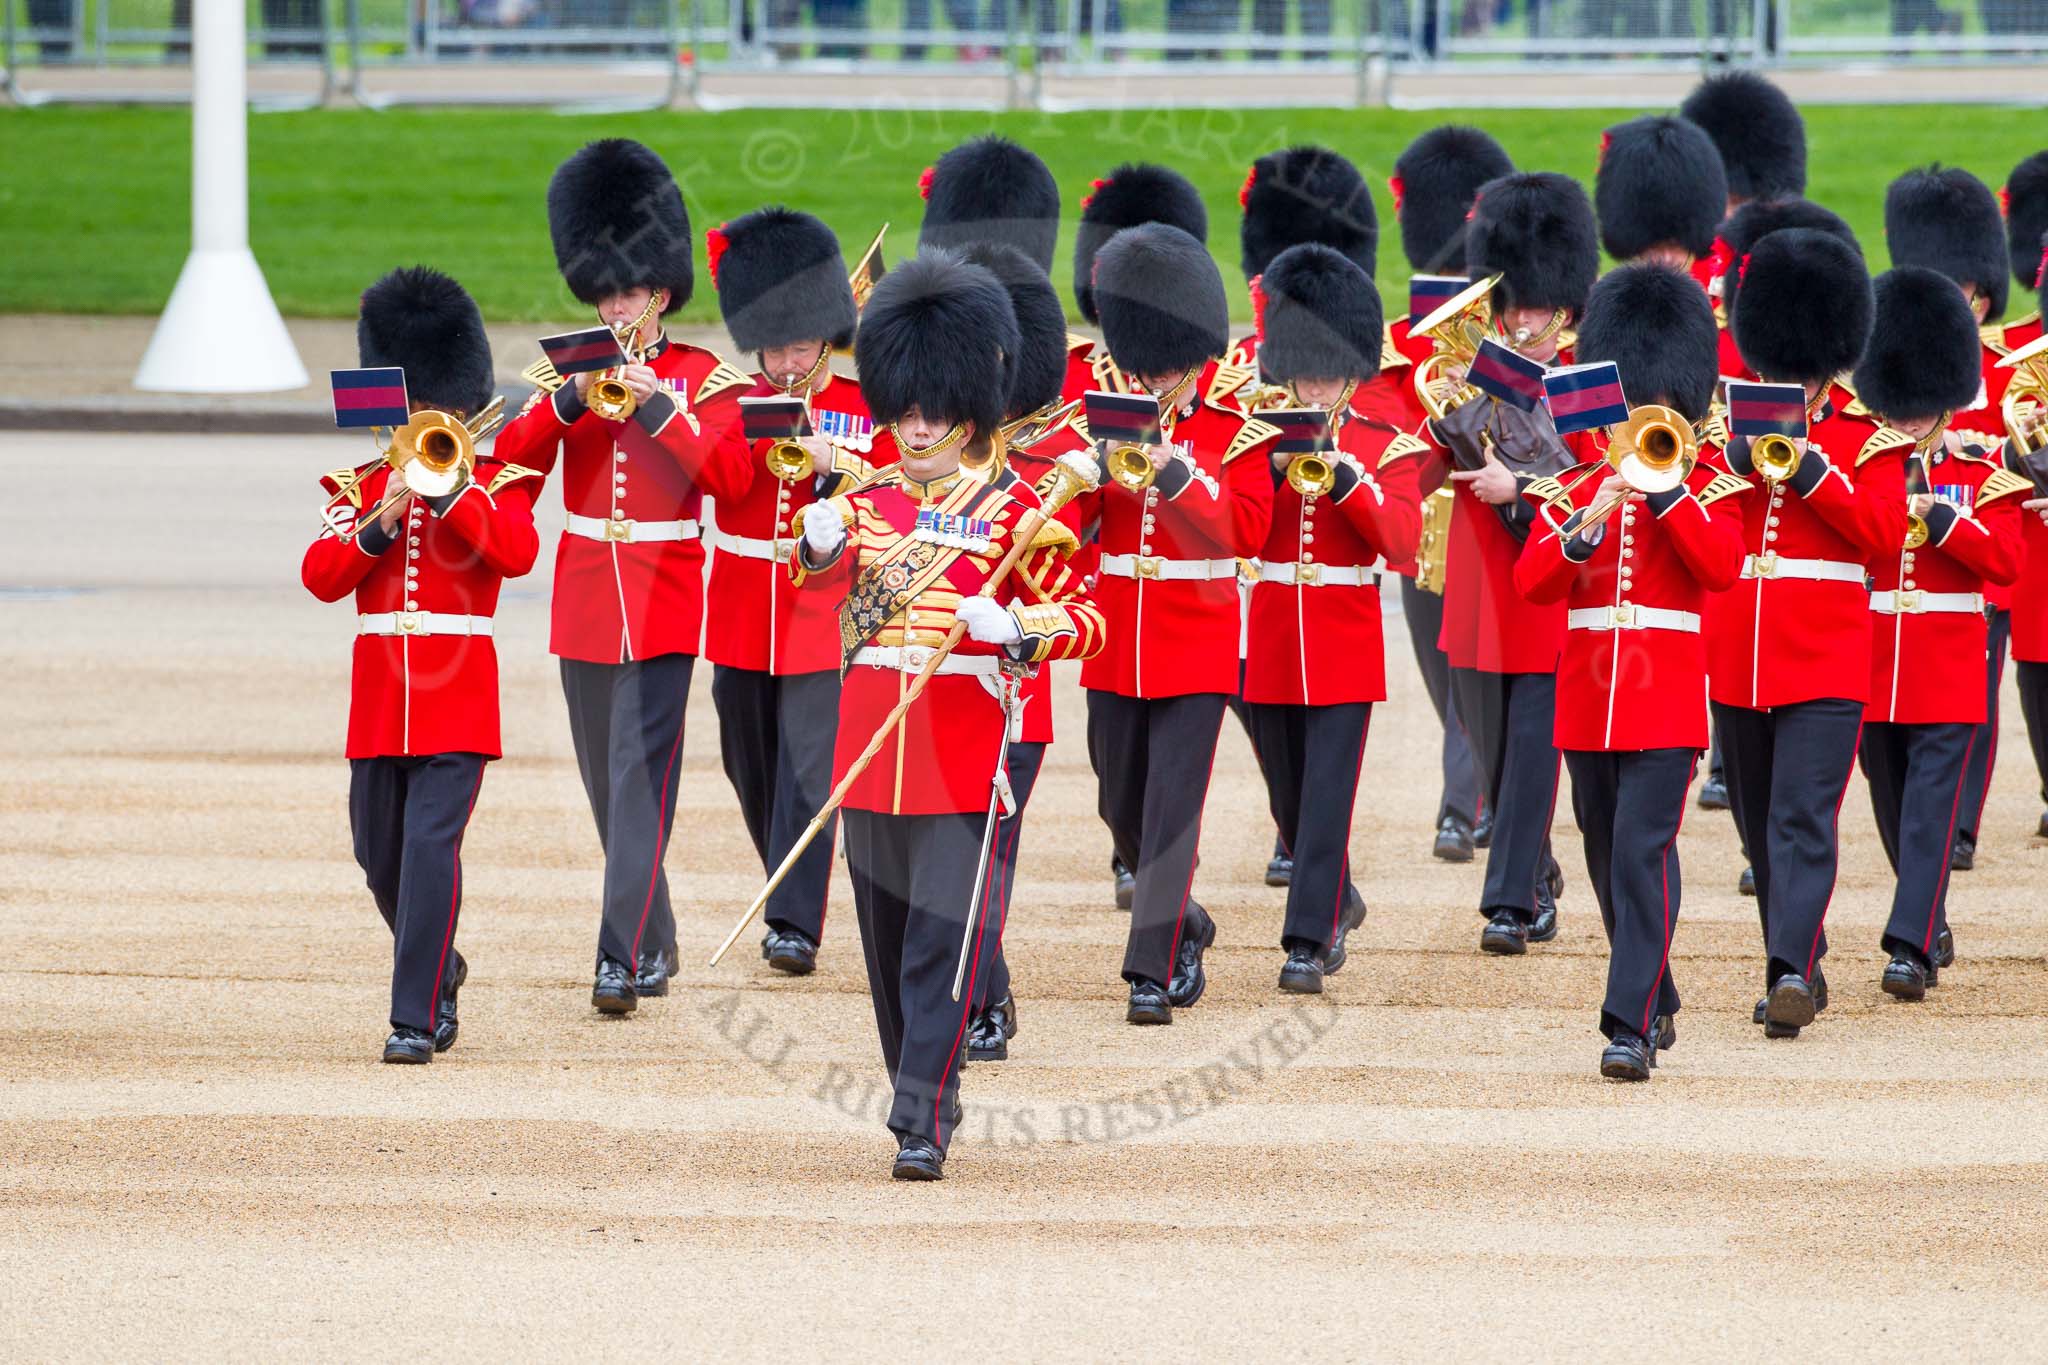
[(1906, 600), (408, 622), (1145, 566), (1624, 616), (1308, 574), (1767, 564), (781, 550), (619, 528)]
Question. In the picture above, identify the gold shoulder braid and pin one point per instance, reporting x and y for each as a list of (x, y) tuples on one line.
[(1719, 487), (1883, 439), (1254, 430), (722, 377), (1403, 445), (511, 473), (542, 375), (1227, 380), (2001, 483)]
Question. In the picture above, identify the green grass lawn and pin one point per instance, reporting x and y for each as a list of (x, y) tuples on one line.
[(94, 202)]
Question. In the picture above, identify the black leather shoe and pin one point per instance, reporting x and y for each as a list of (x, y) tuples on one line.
[(1626, 1058), (919, 1160), (1664, 1031), (990, 1032), (655, 970), (1126, 884), (409, 1046), (445, 1027), (1820, 992), (1453, 840), (1279, 868), (1336, 954), (1543, 926), (1505, 934), (2041, 829), (1944, 948), (1302, 973), (1962, 854), (1553, 878), (1713, 794), (1189, 980), (1904, 977), (613, 992), (1745, 885), (790, 952), (1149, 1004), (1789, 1007), (1482, 833)]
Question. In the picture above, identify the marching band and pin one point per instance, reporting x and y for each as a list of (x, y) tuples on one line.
[(1733, 493)]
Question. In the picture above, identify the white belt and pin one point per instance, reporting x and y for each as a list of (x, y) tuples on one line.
[(1152, 566), (1913, 602), (1318, 575), (1769, 565), (1633, 618), (748, 547), (421, 623), (630, 531), (913, 658)]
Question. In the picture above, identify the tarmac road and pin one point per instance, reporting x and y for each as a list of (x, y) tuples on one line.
[(201, 1157)]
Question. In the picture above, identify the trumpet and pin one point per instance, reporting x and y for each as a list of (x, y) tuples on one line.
[(1131, 467), (433, 454), (788, 461), (1916, 530), (608, 396), (1774, 457), (1654, 451), (1311, 474), (1456, 328)]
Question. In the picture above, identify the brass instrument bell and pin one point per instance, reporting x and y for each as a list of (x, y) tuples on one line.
[(1131, 467), (788, 461), (2024, 407), (432, 455), (1311, 474), (1456, 328), (1774, 457), (608, 396), (1916, 530)]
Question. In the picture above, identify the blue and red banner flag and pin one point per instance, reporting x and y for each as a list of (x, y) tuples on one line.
[(594, 348), (1427, 293), (1766, 409), (1582, 397), (370, 398), (1501, 373)]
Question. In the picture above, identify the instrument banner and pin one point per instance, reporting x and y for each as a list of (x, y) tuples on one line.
[(370, 398), (1766, 409), (1512, 378), (1582, 397), (594, 348), (773, 418), (1427, 293), (1122, 417), (1302, 430)]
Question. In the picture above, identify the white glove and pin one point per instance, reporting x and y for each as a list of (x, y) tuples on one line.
[(824, 530), (988, 622), (1085, 465)]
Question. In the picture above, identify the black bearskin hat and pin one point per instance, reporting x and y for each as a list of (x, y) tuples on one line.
[(1660, 181), (1536, 231), (618, 222), (2026, 220), (1657, 325), (1161, 302), (1134, 193), (1946, 219), (1434, 181), (1306, 194), (1321, 317), (1759, 131), (937, 335), (1806, 306), (780, 279), (1752, 222), (1041, 325), (989, 189), (1924, 357), (426, 323)]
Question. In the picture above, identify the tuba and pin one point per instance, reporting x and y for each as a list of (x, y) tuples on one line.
[(433, 454), (608, 395), (1455, 329), (1432, 550)]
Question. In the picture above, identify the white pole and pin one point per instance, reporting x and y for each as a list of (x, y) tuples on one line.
[(221, 332)]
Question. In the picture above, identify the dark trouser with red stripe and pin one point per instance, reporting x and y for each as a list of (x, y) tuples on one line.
[(1984, 751), (1788, 770), (912, 878), (1313, 755), (627, 724), (1511, 718), (407, 816), (1152, 763), (1629, 805), (1916, 789), (1425, 614), (775, 736), (2034, 707), (1025, 761)]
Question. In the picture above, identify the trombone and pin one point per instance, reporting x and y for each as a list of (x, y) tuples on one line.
[(608, 395), (432, 454), (1654, 451), (1456, 328)]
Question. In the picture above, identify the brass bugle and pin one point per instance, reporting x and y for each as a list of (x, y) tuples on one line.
[(1311, 475), (609, 397), (1774, 457), (788, 461), (1131, 467), (1916, 530)]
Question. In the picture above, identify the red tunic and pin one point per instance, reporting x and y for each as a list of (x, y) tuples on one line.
[(753, 618), (1034, 709), (1799, 630), (1999, 340), (1315, 641), (1171, 635), (1089, 367), (620, 599), (1488, 624), (411, 691), (942, 755), (1927, 656), (1634, 671)]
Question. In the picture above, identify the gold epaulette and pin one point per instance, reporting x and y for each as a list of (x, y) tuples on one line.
[(1857, 407), (1055, 535), (511, 473), (1075, 341), (1107, 375), (722, 377), (1881, 440), (1078, 424), (1714, 431), (1227, 380), (541, 374), (1543, 490), (1992, 334), (1254, 430), (1719, 487), (2000, 483), (1403, 445), (350, 481), (1239, 356), (1390, 354)]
